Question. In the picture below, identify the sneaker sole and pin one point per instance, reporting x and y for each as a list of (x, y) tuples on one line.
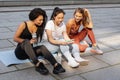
[(43, 73), (74, 66), (95, 52), (55, 72)]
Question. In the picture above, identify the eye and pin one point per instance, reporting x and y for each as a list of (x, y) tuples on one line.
[(41, 20)]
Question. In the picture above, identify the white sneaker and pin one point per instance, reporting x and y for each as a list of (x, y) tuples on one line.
[(83, 62), (73, 64), (96, 49)]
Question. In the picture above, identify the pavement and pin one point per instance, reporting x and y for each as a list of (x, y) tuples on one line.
[(106, 19)]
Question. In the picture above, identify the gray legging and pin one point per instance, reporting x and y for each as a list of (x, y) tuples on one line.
[(72, 49), (26, 51)]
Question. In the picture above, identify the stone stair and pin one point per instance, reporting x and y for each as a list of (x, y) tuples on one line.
[(7, 3)]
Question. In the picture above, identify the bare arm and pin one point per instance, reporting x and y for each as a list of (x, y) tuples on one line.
[(65, 35), (52, 40), (68, 27), (18, 33), (90, 25)]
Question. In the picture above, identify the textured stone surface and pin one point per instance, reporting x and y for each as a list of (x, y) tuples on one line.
[(101, 67), (110, 73)]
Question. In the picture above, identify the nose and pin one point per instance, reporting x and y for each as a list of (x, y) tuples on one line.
[(61, 20), (41, 22), (77, 17)]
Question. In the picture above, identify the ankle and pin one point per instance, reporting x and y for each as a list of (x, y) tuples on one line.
[(95, 45), (37, 65), (55, 64)]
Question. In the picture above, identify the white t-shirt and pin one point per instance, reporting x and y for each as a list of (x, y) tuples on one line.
[(56, 30)]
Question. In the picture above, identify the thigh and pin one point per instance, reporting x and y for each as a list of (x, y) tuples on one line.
[(20, 53), (75, 48), (64, 48), (51, 47), (38, 50), (81, 35)]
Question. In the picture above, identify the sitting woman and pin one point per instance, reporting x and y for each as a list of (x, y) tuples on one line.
[(57, 38), (82, 17), (25, 48)]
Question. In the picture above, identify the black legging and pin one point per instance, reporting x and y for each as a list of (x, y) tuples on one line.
[(26, 51)]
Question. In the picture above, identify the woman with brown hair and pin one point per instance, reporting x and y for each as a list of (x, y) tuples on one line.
[(82, 17)]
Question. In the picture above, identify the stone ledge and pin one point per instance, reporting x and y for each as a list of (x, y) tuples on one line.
[(53, 2)]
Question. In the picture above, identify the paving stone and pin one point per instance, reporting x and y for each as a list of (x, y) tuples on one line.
[(106, 30), (25, 65), (5, 44), (10, 48), (29, 64), (101, 67), (109, 73), (93, 65), (13, 28), (112, 41), (6, 35), (112, 57), (28, 74), (9, 23), (74, 78), (4, 69), (13, 42), (103, 47), (12, 16), (4, 30)]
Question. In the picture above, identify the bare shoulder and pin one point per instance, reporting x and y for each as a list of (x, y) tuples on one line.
[(21, 26), (70, 21)]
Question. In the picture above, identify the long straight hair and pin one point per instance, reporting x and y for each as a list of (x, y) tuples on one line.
[(55, 12), (84, 13)]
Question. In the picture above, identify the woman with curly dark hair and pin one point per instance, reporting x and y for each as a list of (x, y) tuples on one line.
[(28, 34)]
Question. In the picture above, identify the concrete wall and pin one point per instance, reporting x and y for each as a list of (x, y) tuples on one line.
[(54, 2)]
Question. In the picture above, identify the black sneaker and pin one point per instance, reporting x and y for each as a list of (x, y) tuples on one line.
[(58, 69), (42, 69)]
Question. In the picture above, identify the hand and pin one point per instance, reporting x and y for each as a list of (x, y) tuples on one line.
[(67, 42), (70, 41), (33, 41)]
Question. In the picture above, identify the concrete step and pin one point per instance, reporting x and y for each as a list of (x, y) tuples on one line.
[(4, 3)]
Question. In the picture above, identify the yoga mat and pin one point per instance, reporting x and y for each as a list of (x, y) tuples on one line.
[(8, 58)]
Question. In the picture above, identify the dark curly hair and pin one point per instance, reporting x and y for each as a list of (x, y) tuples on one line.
[(33, 15)]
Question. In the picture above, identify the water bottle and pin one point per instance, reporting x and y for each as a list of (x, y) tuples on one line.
[(34, 36)]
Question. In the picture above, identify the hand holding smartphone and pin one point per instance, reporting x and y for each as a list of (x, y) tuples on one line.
[(70, 41)]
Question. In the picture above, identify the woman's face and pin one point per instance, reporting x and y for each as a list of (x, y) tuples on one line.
[(39, 20), (78, 16), (59, 18)]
